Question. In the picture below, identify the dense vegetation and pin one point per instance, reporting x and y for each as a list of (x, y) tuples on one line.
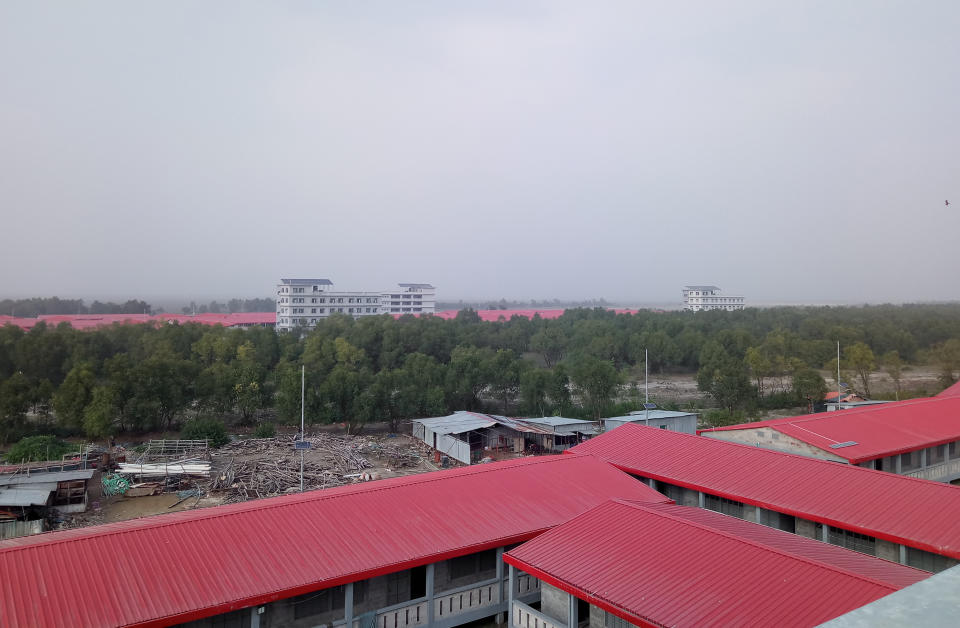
[(30, 308), (146, 378)]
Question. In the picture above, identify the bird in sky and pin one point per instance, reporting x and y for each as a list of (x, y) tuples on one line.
[(947, 203)]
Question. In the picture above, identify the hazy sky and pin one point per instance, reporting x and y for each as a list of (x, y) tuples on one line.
[(515, 149)]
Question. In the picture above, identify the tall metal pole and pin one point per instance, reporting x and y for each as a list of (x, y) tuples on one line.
[(646, 388), (838, 375), (303, 376)]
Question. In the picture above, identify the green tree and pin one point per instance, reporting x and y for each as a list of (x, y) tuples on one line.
[(893, 365), (596, 382), (809, 386), (38, 448), (550, 343), (100, 415), (860, 358), (73, 395), (205, 428), (14, 403)]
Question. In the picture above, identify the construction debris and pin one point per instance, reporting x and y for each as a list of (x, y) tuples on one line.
[(192, 468), (256, 468)]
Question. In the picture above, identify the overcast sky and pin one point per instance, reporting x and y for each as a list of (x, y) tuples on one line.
[(495, 149)]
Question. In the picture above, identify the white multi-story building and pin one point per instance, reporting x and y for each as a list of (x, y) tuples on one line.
[(697, 298), (303, 302)]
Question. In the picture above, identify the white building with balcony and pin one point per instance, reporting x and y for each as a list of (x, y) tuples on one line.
[(697, 298), (304, 302)]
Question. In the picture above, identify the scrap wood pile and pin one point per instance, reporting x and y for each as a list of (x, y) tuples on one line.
[(265, 467)]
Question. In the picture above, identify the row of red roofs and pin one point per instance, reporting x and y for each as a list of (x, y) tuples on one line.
[(246, 319), (710, 569)]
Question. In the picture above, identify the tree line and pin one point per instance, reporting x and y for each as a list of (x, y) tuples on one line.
[(147, 377)]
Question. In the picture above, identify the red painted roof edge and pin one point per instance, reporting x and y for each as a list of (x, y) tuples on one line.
[(569, 588), (747, 541), (626, 614), (806, 460), (775, 423), (798, 513), (272, 596)]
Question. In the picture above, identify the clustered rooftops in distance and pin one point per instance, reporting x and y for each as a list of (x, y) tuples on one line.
[(927, 516), (878, 430), (668, 565), (704, 288), (230, 557), (415, 285)]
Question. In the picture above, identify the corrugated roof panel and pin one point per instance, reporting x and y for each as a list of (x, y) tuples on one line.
[(192, 564), (879, 430), (10, 479), (670, 565), (24, 496), (918, 513)]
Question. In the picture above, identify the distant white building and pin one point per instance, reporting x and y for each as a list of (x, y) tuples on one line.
[(304, 302), (696, 298)]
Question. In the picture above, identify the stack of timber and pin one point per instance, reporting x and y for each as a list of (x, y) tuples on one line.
[(190, 468)]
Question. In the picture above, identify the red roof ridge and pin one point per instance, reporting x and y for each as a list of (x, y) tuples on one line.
[(666, 515), (174, 519), (832, 463), (817, 416)]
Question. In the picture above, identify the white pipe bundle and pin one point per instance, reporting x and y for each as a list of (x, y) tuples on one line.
[(159, 468)]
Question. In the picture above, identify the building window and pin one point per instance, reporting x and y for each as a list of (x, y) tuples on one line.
[(936, 455), (853, 541), (471, 564), (325, 601), (927, 560), (724, 505), (313, 300), (313, 310), (909, 461)]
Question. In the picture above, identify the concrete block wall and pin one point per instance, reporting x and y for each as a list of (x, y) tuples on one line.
[(888, 551), (554, 602), (772, 439), (807, 528), (598, 617)]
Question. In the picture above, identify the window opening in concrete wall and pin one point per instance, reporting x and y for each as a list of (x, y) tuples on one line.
[(853, 541)]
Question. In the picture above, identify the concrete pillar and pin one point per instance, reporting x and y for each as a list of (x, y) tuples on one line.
[(898, 464), (255, 616), (348, 604), (825, 533), (903, 554), (923, 458), (430, 594), (702, 500), (499, 618), (572, 619), (511, 587)]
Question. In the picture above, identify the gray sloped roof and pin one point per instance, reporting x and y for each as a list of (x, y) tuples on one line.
[(322, 282), (23, 497), (701, 288), (414, 285), (19, 479)]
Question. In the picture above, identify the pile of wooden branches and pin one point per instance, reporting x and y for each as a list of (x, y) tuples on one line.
[(243, 480), (255, 468)]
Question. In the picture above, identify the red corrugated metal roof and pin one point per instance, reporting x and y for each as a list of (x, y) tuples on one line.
[(93, 321), (172, 568), (676, 566), (951, 391), (878, 431), (896, 508)]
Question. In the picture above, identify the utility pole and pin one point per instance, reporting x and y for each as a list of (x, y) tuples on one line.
[(646, 388), (838, 375), (303, 377)]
